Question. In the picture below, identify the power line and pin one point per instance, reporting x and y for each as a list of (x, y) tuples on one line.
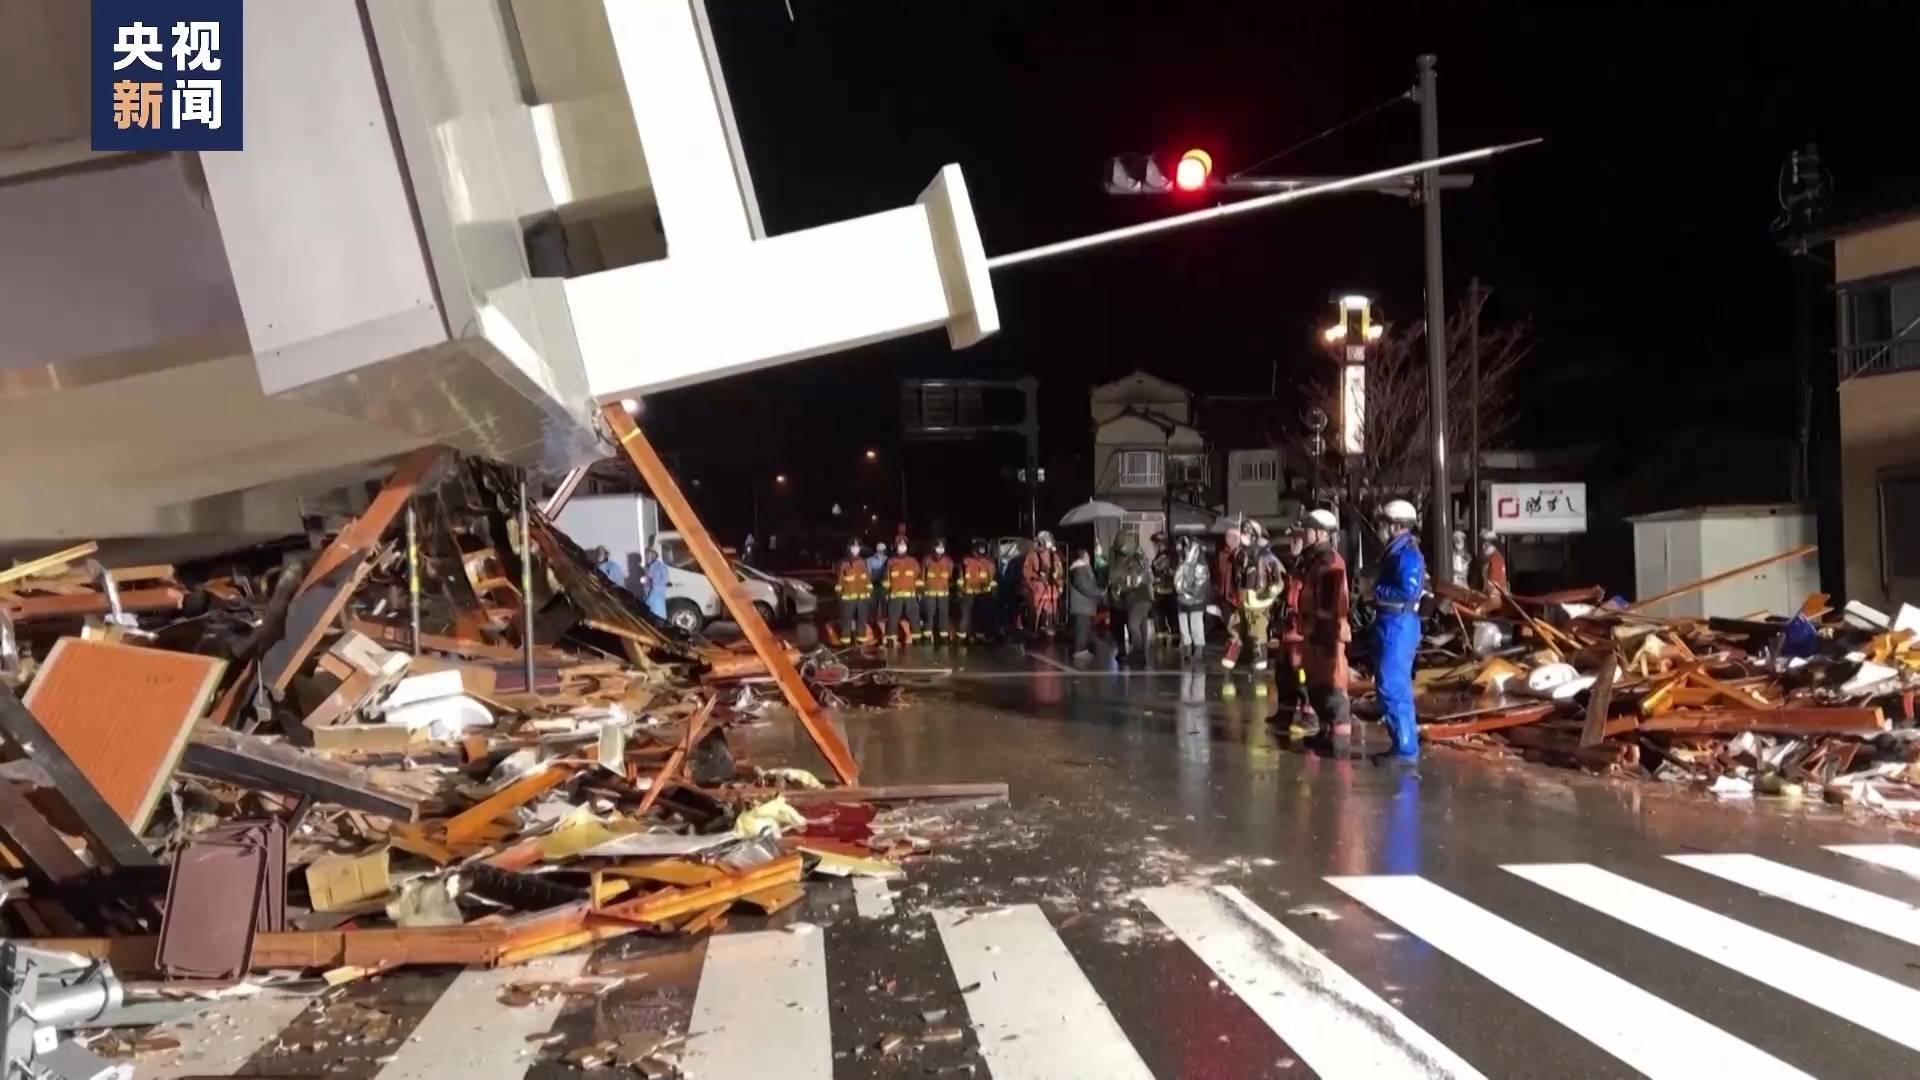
[(1348, 122)]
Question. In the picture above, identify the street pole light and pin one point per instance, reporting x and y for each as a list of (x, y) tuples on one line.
[(1473, 382), (1440, 516)]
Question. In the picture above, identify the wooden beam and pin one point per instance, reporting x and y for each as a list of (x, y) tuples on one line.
[(1695, 586), (695, 725), (1600, 700), (49, 862), (363, 534), (469, 823), (308, 949), (714, 565), (1788, 720), (251, 761), (1532, 714), (44, 563), (28, 608)]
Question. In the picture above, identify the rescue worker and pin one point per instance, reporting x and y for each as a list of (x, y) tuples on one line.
[(936, 584), (877, 605), (1493, 564), (1396, 625), (1291, 637), (1322, 613), (1223, 575), (1083, 602), (854, 586), (1258, 582), (1166, 614), (609, 566), (1462, 559), (654, 574), (1043, 576), (1191, 588), (903, 597), (1130, 593), (977, 575)]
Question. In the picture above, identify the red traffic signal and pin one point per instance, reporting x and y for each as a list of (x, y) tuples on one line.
[(1195, 167)]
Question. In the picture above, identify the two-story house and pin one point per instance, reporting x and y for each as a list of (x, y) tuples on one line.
[(1876, 266), (1148, 457)]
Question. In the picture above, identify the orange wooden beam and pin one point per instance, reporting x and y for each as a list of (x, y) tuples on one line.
[(714, 564)]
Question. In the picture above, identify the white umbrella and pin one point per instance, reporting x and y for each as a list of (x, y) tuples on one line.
[(1089, 512)]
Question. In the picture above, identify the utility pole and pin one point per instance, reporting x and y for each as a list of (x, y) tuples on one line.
[(1440, 515), (1473, 356)]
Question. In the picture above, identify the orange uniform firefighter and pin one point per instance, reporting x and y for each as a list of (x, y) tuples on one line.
[(936, 594), (1043, 575), (1324, 602), (903, 597), (854, 586), (976, 592), (1493, 564)]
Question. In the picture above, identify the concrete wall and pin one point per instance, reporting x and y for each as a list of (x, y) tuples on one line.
[(1883, 250), (105, 260), (1879, 430)]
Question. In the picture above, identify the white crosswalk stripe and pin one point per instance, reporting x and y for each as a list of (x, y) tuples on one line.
[(1848, 903), (468, 1033), (1337, 1026), (1037, 1016), (1892, 856), (763, 1007), (1872, 1001), (761, 1010), (1654, 1037)]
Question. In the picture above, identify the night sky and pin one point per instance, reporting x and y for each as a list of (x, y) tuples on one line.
[(1637, 239)]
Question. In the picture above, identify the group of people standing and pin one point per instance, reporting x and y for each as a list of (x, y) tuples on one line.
[(649, 583), (892, 597)]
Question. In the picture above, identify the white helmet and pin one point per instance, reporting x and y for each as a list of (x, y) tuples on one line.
[(1400, 512), (1323, 519)]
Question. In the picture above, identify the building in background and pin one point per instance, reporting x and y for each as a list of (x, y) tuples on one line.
[(1148, 458), (451, 223), (1876, 270)]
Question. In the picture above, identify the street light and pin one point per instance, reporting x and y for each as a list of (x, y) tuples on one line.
[(780, 478), (873, 455), (1195, 167)]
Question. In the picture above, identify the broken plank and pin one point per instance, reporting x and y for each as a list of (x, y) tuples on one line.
[(311, 615), (252, 761), (695, 724), (49, 862), (1496, 722), (714, 565), (306, 949), (20, 571), (1695, 586), (28, 609), (1594, 729), (776, 899), (113, 841), (359, 538), (1789, 720), (471, 822)]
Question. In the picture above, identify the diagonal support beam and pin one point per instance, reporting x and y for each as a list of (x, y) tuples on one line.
[(714, 564)]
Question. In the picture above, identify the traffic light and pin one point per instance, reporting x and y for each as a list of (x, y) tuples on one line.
[(1141, 174), (1195, 168)]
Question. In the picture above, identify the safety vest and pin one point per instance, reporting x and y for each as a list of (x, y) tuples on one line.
[(903, 576), (938, 575), (1258, 574), (976, 575), (853, 581)]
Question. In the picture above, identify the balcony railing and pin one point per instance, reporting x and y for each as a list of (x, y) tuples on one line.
[(1880, 357)]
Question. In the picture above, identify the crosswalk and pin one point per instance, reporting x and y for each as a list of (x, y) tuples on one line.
[(765, 1003)]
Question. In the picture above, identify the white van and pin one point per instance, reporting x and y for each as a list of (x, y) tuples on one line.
[(622, 524)]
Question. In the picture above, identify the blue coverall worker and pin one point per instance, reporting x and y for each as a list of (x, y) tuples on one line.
[(1396, 629)]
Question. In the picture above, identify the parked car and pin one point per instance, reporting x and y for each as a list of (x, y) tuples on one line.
[(693, 601)]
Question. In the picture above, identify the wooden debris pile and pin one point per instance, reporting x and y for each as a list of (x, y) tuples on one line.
[(1819, 704), (330, 757)]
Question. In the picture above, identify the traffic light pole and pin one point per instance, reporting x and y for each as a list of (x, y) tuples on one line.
[(1440, 512)]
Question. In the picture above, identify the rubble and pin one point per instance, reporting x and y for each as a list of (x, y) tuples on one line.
[(346, 761), (1768, 705)]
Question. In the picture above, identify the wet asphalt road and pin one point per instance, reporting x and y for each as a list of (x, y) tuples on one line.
[(1124, 780)]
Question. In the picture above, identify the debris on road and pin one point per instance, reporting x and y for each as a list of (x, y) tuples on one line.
[(333, 761), (1783, 706)]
